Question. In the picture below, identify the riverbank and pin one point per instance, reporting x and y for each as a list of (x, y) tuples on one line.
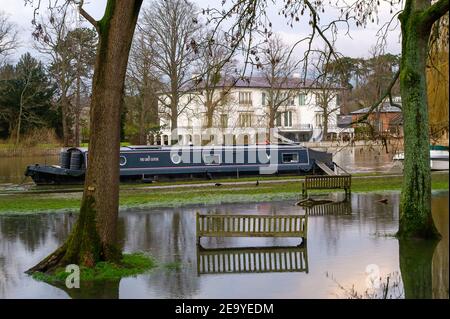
[(186, 193), (11, 150)]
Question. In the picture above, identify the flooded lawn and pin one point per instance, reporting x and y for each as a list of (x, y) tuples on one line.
[(348, 246)]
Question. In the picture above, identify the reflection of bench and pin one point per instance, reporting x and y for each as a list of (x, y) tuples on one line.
[(327, 182), (252, 259), (251, 226), (336, 208)]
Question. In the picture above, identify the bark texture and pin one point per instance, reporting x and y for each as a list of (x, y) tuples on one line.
[(415, 209)]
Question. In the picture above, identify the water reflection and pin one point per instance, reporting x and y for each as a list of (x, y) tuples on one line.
[(252, 259), (339, 244), (334, 208)]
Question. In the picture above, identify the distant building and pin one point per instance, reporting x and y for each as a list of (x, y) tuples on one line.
[(245, 110), (385, 118)]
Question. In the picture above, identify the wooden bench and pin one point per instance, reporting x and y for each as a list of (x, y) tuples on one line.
[(252, 260), (327, 182), (251, 226)]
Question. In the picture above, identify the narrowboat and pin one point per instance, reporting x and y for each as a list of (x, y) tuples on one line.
[(150, 163)]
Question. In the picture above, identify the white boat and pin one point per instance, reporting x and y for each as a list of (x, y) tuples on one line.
[(438, 157)]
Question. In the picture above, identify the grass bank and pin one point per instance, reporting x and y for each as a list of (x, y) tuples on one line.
[(130, 265), (177, 195)]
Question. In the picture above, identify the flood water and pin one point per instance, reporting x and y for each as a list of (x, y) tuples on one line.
[(353, 159), (346, 247)]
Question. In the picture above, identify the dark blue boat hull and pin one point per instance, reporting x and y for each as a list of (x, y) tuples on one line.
[(146, 164)]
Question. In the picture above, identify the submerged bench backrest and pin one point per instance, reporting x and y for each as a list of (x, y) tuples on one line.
[(251, 225)]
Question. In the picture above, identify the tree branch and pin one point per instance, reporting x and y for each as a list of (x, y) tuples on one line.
[(87, 16), (435, 12), (380, 100)]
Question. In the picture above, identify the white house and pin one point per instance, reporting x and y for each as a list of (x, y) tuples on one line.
[(242, 117)]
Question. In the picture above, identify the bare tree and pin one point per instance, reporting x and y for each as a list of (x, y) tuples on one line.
[(327, 91), (174, 25), (50, 41), (8, 36), (81, 43), (142, 86), (277, 68), (215, 75)]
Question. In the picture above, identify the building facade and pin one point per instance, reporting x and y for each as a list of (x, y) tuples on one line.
[(385, 118), (242, 115)]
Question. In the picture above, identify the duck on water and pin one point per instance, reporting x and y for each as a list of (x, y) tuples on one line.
[(149, 163)]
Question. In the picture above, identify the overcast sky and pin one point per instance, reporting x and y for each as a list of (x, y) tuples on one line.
[(358, 45)]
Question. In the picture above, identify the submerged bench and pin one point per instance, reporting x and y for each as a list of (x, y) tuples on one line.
[(251, 226), (327, 182)]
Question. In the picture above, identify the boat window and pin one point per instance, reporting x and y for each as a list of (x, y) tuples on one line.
[(290, 157), (211, 159), (123, 161), (176, 159)]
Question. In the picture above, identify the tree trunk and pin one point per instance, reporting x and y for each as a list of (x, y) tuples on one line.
[(325, 124), (174, 120), (77, 112), (93, 238), (65, 120), (415, 208)]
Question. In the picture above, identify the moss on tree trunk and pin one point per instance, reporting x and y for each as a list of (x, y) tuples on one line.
[(415, 208)]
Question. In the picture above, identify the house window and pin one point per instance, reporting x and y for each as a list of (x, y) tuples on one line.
[(212, 159), (245, 98), (205, 119), (338, 99), (263, 98), (286, 99), (302, 99), (223, 120), (290, 158), (278, 119), (245, 119), (288, 119), (319, 119)]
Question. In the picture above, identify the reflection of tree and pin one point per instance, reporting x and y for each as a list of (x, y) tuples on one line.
[(415, 265), (33, 230), (439, 206)]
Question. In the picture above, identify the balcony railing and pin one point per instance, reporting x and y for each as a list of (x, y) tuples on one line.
[(296, 127)]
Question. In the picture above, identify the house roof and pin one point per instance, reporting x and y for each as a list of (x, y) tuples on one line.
[(386, 107), (261, 82)]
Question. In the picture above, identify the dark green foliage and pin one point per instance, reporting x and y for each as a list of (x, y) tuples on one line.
[(26, 83)]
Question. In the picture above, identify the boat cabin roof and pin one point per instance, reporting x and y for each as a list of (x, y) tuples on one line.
[(166, 147)]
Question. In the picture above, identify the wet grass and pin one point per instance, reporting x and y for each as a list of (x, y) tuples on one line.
[(130, 265), (179, 196)]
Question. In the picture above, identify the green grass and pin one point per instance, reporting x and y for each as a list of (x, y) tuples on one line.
[(130, 265), (139, 197)]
